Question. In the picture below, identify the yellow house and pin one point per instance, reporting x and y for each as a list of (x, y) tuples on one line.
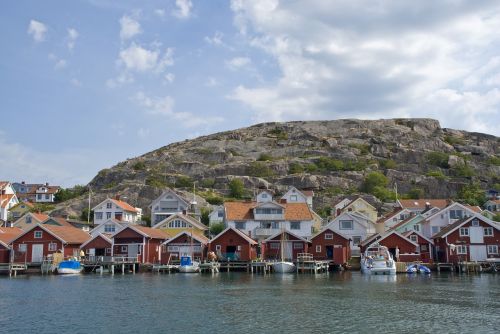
[(18, 210), (179, 222), (30, 219), (361, 206)]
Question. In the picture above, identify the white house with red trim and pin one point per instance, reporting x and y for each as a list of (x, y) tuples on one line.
[(114, 208), (450, 214), (8, 199)]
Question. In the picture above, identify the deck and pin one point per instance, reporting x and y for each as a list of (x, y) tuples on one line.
[(110, 264)]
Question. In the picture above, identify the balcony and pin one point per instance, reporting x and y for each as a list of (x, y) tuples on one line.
[(264, 216), (265, 232)]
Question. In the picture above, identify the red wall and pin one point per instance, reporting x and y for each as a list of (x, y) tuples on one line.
[(274, 253), (184, 240), (231, 238), (4, 254), (425, 256), (98, 242), (341, 247)]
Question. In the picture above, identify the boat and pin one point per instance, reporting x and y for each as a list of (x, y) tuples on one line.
[(415, 268), (283, 266), (377, 260), (187, 265), (69, 267)]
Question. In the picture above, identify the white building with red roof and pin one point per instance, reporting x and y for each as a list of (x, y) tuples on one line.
[(114, 208), (8, 199)]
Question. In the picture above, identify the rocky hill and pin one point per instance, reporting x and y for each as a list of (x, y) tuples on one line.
[(329, 157)]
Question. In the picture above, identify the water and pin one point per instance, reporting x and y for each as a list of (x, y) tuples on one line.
[(242, 303)]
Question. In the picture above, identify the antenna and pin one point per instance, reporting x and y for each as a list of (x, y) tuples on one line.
[(88, 212)]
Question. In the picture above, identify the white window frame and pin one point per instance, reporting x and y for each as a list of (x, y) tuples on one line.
[(488, 234), (274, 245), (52, 247), (356, 243), (414, 238), (109, 205), (346, 221), (416, 227), (294, 225), (318, 248), (293, 198), (492, 249), (298, 245), (39, 233), (123, 249), (109, 228), (108, 250), (240, 223), (461, 250), (22, 247), (475, 222), (434, 229), (98, 215), (464, 232), (218, 247), (328, 236)]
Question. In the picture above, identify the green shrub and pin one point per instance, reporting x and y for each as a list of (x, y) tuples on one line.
[(183, 181), (156, 181), (438, 159), (383, 193), (295, 168), (139, 165), (329, 164), (436, 174), (415, 193), (463, 170), (452, 140), (358, 165), (311, 168), (364, 149), (69, 193), (265, 157), (494, 160), (388, 164), (214, 199), (208, 183), (373, 180), (472, 194), (236, 188), (279, 133), (216, 228), (260, 169)]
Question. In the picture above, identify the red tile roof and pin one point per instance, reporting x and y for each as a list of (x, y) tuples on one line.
[(70, 235), (244, 211), (151, 232), (7, 234), (40, 216), (421, 203), (124, 205), (474, 208), (5, 200)]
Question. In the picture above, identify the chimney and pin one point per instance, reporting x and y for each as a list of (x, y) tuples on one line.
[(184, 212), (47, 184), (23, 182), (283, 201), (117, 197)]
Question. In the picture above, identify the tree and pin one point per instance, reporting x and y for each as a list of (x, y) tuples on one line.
[(85, 215), (236, 188), (373, 180), (216, 228), (205, 216), (472, 194)]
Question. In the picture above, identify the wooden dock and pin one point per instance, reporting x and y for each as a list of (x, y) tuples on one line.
[(13, 268), (210, 267), (263, 267), (306, 264), (110, 264)]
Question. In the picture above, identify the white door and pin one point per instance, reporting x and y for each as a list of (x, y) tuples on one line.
[(91, 251), (477, 253), (37, 253), (476, 234)]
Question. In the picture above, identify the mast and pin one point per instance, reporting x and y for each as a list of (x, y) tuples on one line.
[(88, 212)]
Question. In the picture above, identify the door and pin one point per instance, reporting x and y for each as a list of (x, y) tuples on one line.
[(329, 252), (133, 250), (100, 251), (37, 253), (92, 252), (477, 253), (476, 234), (231, 252)]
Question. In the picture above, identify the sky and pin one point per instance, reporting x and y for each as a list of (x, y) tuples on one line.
[(86, 84)]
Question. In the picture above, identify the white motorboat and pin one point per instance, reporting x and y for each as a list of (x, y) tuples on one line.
[(69, 267), (377, 260), (188, 265)]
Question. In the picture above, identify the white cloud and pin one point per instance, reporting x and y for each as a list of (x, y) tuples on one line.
[(121, 79), (37, 30), (75, 82), (159, 12), (139, 59), (380, 58), (59, 63), (169, 77), (238, 63), (183, 9), (216, 39), (143, 133), (164, 107), (72, 36), (129, 27), (211, 82)]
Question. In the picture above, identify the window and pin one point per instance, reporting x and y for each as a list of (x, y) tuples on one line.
[(293, 198), (488, 231), (108, 250), (39, 196), (328, 236), (240, 225), (395, 219), (98, 215), (28, 220), (173, 248), (47, 196), (464, 231), (294, 225), (264, 195), (318, 248), (38, 234), (109, 228), (423, 248), (492, 249), (413, 238), (220, 214), (22, 247), (461, 249), (108, 215), (416, 227), (52, 247), (275, 225), (275, 245), (124, 249), (177, 223), (346, 225), (475, 222), (109, 205), (356, 240), (456, 214), (217, 247), (298, 245), (434, 229), (268, 211)]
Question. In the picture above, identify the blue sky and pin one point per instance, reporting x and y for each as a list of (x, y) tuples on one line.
[(86, 84)]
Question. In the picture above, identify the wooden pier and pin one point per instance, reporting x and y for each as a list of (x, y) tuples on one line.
[(306, 264), (263, 267), (234, 266), (13, 268), (110, 264), (210, 267)]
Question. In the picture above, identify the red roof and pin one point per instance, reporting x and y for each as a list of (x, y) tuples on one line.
[(151, 232), (5, 200), (422, 203), (124, 205), (7, 234), (244, 211), (70, 235), (40, 216)]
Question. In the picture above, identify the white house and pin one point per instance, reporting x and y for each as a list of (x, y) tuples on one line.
[(169, 203), (36, 193), (293, 195), (116, 209), (110, 226), (492, 205), (217, 215), (264, 217), (8, 199), (418, 205), (449, 215), (355, 226)]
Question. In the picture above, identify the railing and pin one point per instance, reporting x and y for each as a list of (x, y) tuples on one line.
[(265, 231), (229, 256), (110, 259)]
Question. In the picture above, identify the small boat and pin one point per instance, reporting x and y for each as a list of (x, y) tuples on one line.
[(377, 260), (282, 266), (417, 268), (188, 265), (69, 267)]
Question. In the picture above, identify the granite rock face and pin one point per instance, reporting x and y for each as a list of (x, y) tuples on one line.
[(278, 155)]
